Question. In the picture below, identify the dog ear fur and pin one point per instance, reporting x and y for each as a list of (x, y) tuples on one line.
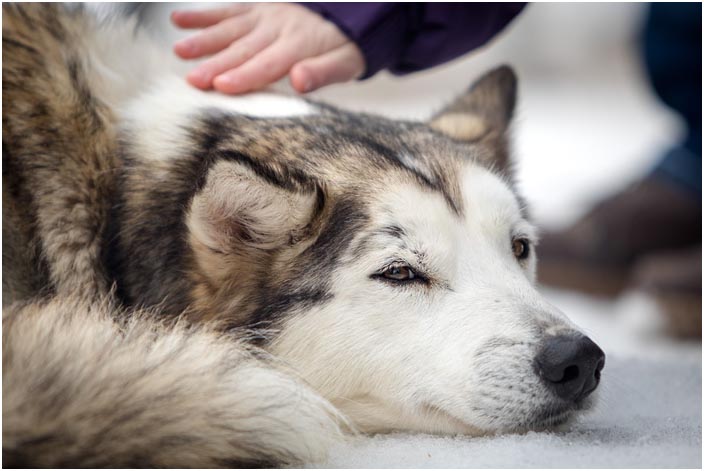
[(237, 209), (238, 223), (485, 110)]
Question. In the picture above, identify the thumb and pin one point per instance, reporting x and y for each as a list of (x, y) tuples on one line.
[(338, 65)]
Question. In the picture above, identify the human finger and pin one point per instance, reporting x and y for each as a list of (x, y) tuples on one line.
[(339, 65), (266, 68), (233, 56), (215, 38), (189, 19)]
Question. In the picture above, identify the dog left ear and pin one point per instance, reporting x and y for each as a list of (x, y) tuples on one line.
[(246, 215), (239, 210)]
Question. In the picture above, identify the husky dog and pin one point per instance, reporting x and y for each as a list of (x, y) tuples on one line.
[(199, 280)]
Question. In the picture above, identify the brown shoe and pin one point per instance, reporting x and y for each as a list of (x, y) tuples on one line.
[(597, 253), (674, 280)]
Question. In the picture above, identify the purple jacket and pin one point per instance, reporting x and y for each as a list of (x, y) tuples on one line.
[(406, 37)]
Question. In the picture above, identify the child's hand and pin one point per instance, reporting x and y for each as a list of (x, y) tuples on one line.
[(257, 44)]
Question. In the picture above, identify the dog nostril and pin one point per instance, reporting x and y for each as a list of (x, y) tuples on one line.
[(570, 366), (571, 372)]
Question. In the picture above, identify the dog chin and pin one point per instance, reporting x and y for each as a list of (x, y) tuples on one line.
[(550, 416), (558, 416), (372, 415)]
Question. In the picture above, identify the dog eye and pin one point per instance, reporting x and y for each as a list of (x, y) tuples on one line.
[(521, 248), (399, 273)]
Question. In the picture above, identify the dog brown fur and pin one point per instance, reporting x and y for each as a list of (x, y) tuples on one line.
[(59, 144)]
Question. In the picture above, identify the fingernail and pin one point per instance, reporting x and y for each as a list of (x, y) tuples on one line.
[(307, 85)]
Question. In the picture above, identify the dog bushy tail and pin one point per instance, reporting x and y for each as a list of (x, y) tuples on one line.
[(82, 390)]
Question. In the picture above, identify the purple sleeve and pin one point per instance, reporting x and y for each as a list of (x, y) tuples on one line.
[(406, 37)]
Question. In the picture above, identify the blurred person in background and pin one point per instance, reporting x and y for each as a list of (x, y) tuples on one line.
[(648, 236)]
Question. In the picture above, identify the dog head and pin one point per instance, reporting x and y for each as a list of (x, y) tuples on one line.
[(393, 262)]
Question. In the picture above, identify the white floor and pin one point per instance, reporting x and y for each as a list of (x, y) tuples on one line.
[(587, 124)]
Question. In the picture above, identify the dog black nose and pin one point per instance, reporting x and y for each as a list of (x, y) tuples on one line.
[(570, 366)]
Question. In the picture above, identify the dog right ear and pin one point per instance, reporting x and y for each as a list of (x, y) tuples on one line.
[(482, 116), (242, 207), (484, 111)]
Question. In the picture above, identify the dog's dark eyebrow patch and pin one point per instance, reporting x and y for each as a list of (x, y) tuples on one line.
[(393, 230)]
